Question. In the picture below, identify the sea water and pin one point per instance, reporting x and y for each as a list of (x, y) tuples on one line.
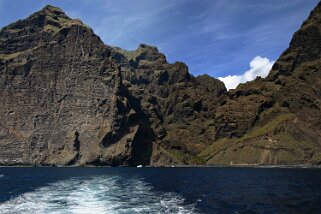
[(160, 190)]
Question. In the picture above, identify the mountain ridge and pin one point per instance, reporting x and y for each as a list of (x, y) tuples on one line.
[(69, 99)]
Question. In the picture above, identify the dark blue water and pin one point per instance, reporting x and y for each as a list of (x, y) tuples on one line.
[(160, 190)]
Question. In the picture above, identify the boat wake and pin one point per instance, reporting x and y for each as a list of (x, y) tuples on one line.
[(105, 194)]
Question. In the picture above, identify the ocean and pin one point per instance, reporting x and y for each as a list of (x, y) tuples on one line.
[(160, 190)]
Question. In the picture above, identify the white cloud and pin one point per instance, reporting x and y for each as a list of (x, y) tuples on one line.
[(259, 66)]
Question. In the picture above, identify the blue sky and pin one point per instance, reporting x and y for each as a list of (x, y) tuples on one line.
[(217, 37)]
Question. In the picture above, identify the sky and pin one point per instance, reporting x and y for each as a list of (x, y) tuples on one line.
[(233, 40)]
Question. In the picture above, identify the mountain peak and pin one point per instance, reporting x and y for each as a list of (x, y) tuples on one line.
[(54, 18), (51, 12), (40, 26), (50, 8)]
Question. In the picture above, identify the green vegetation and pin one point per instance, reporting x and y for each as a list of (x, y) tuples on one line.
[(181, 157), (265, 129), (14, 30), (130, 55), (51, 28), (14, 55), (237, 155), (224, 143), (287, 157), (284, 150), (289, 142), (9, 56), (196, 160), (56, 23), (215, 148), (224, 150)]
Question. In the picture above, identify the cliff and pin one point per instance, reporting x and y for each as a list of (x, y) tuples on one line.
[(276, 120), (66, 98)]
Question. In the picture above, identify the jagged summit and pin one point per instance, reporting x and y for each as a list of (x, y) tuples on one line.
[(56, 19), (48, 24), (143, 52), (52, 9), (49, 18), (47, 15)]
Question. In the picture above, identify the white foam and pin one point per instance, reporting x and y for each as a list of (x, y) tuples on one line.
[(97, 195)]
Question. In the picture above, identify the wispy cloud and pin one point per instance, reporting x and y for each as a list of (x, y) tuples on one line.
[(259, 66), (122, 24)]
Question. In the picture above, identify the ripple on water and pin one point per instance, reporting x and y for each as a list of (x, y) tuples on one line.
[(98, 195)]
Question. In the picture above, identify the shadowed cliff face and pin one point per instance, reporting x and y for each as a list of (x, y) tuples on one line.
[(179, 106), (68, 99)]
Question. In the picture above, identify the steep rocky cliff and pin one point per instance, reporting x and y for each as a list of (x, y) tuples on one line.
[(59, 92), (179, 106), (276, 120), (66, 98)]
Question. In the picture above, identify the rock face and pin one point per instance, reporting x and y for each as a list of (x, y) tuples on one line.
[(61, 95), (276, 120), (68, 99), (179, 106)]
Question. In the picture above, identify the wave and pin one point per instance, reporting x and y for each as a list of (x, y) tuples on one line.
[(98, 195)]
